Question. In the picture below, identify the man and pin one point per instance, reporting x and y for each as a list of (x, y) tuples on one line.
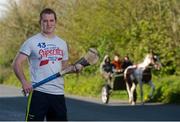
[(126, 63), (106, 68), (117, 64), (47, 54)]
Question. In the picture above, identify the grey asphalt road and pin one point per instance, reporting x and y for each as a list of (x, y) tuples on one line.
[(13, 107)]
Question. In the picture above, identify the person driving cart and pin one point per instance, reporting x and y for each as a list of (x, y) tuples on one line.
[(117, 64), (126, 62), (106, 68)]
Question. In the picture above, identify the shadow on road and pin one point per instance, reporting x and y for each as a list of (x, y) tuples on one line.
[(13, 109), (83, 110)]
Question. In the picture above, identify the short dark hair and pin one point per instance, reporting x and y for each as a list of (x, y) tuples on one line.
[(47, 11), (116, 54)]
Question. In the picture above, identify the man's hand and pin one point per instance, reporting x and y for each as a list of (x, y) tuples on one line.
[(75, 68), (78, 67), (27, 87)]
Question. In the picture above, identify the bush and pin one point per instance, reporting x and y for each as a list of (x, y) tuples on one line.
[(168, 90), (84, 85)]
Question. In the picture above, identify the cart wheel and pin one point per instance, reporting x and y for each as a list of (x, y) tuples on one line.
[(105, 94)]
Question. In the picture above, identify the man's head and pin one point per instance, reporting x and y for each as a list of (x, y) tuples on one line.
[(47, 11), (116, 57), (126, 58), (47, 21)]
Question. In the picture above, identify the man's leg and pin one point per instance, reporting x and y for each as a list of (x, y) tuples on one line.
[(57, 110), (37, 106)]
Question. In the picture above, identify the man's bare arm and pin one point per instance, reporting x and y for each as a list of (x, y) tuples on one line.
[(18, 70), (70, 68)]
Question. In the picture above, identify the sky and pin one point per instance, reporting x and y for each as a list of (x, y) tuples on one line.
[(2, 2), (2, 8)]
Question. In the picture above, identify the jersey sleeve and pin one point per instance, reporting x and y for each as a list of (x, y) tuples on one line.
[(65, 56), (26, 48)]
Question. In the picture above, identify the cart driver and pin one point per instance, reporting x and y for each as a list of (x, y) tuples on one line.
[(106, 68), (117, 64)]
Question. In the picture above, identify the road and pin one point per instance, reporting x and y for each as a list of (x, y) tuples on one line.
[(13, 107)]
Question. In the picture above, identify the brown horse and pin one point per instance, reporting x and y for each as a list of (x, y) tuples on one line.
[(138, 74)]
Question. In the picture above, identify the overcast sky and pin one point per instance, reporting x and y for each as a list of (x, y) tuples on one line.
[(2, 4)]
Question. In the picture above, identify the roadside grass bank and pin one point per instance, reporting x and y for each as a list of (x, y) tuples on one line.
[(167, 87)]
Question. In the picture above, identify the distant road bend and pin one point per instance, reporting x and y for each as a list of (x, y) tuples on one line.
[(13, 107)]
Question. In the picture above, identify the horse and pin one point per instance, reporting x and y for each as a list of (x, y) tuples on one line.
[(137, 74)]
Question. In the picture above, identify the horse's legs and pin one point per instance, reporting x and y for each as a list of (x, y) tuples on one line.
[(133, 88), (152, 88), (129, 92), (141, 91)]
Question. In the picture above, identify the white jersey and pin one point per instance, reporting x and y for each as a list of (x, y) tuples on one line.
[(45, 59)]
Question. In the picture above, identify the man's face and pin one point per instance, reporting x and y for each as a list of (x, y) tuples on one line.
[(116, 58), (48, 23), (125, 58)]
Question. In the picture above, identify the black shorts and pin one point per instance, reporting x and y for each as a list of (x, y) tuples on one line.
[(42, 106)]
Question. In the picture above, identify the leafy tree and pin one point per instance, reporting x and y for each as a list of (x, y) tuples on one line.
[(132, 27)]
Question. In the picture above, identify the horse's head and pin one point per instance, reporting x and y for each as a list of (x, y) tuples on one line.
[(152, 59), (155, 61)]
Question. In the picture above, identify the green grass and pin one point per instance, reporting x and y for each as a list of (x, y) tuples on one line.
[(86, 85), (167, 87)]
